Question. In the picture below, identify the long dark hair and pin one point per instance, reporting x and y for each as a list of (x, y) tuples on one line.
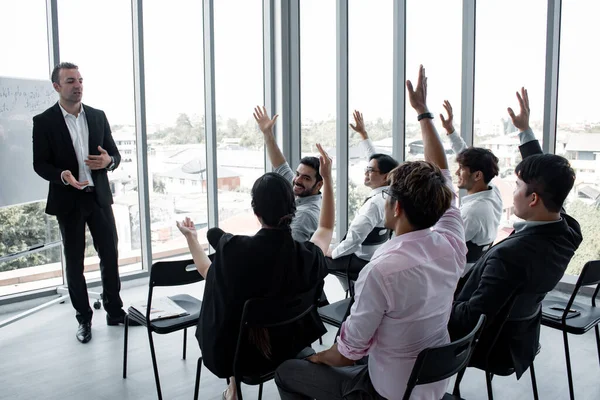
[(273, 200)]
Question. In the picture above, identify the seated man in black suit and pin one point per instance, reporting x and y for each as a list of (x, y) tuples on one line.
[(527, 264)]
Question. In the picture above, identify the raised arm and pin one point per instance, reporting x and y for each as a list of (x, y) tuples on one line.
[(201, 260), (458, 144), (266, 127), (433, 148), (324, 233), (359, 127), (529, 144)]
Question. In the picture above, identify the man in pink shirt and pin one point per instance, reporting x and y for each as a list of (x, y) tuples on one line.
[(404, 295)]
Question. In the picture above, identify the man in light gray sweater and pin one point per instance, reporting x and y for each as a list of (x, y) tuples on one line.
[(306, 181)]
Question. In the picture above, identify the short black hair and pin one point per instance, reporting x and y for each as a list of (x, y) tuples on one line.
[(421, 189), (479, 159), (273, 200), (549, 176), (385, 163), (58, 67), (314, 163)]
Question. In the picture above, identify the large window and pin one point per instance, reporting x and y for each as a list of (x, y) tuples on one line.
[(578, 134), (439, 50), (103, 52), (239, 88), (318, 78), (175, 122), (370, 88), (505, 62), (23, 226)]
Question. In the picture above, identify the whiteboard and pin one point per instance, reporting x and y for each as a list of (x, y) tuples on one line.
[(20, 101)]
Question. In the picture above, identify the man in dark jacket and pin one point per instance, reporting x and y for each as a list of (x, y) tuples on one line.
[(526, 265)]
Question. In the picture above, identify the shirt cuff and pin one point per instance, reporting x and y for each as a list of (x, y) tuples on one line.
[(347, 351), (526, 136), (63, 180)]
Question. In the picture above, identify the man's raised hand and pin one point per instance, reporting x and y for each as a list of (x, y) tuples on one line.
[(447, 123), (359, 126), (418, 94), (521, 121), (325, 163), (265, 123)]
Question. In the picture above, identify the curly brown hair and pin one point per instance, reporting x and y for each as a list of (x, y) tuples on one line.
[(420, 188)]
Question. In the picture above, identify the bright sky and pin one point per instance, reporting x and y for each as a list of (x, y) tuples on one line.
[(510, 53)]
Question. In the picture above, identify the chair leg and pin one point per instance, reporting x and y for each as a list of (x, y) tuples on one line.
[(184, 341), (125, 346), (533, 383), (198, 372), (568, 361), (598, 341), (459, 377), (238, 387), (260, 387), (488, 382), (154, 365)]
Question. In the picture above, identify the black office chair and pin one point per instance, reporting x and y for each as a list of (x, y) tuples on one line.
[(166, 273), (492, 332), (335, 314), (377, 236), (438, 363), (574, 317), (265, 313)]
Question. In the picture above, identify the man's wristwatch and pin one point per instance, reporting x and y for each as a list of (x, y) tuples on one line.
[(425, 115), (111, 166)]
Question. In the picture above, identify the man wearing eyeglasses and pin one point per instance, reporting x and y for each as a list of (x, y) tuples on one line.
[(403, 295), (366, 232)]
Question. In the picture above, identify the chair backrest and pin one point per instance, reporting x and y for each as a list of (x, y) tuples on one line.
[(271, 312), (590, 275), (437, 363), (474, 251), (377, 236), (174, 273)]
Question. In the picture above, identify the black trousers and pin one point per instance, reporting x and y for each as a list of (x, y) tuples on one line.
[(101, 223), (350, 263)]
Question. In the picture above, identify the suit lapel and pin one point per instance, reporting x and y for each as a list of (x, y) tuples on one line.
[(63, 132), (93, 138)]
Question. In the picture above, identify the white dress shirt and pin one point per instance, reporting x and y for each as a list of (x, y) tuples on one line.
[(482, 211), (80, 134), (403, 302), (369, 216)]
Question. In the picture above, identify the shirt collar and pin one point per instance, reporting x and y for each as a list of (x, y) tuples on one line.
[(472, 197), (522, 225), (65, 112), (377, 190)]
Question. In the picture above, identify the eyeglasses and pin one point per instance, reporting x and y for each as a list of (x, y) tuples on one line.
[(385, 193), (371, 170)]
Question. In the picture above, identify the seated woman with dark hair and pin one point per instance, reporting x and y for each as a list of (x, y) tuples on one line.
[(268, 264)]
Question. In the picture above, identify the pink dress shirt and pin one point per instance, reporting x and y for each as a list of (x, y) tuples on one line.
[(403, 302)]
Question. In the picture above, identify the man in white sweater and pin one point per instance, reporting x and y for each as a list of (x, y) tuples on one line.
[(481, 208)]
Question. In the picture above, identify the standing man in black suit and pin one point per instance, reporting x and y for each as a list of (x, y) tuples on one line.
[(524, 266), (73, 149)]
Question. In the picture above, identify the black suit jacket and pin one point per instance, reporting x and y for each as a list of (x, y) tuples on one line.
[(53, 152), (527, 264)]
